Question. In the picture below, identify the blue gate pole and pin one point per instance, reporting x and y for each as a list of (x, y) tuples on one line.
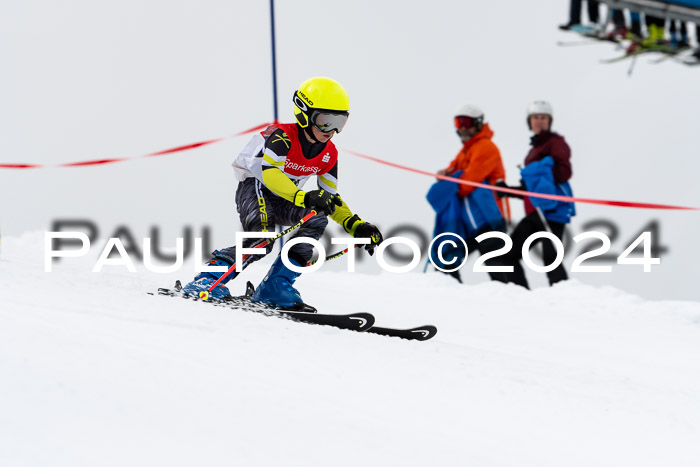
[(274, 79), (274, 58)]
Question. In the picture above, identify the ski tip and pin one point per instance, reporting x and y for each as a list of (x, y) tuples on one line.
[(424, 333), (162, 291), (364, 321), (421, 333)]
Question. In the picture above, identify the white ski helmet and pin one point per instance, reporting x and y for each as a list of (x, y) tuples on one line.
[(540, 107), (473, 112), (469, 110)]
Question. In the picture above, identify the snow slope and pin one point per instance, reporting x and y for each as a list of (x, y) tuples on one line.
[(95, 372)]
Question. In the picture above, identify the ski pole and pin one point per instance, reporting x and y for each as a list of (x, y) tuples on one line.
[(204, 294), (333, 256)]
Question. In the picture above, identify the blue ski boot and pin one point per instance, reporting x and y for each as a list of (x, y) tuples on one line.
[(277, 289), (204, 280)]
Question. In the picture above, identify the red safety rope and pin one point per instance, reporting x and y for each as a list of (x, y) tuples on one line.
[(185, 147), (626, 204)]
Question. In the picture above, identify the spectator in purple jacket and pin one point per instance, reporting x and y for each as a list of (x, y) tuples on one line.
[(544, 143), (547, 143)]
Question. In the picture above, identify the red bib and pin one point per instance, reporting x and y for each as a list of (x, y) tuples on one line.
[(296, 164)]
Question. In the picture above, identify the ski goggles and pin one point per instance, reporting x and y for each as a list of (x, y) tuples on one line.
[(329, 121), (465, 122)]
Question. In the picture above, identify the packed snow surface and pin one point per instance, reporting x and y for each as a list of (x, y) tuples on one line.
[(96, 372)]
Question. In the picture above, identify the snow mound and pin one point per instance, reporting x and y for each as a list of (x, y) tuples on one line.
[(95, 371)]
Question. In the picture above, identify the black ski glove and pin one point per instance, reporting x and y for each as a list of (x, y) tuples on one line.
[(319, 201), (502, 194), (367, 230)]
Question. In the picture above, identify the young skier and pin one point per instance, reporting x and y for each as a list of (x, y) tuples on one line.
[(270, 170)]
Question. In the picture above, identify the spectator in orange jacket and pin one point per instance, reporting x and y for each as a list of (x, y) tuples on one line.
[(479, 161)]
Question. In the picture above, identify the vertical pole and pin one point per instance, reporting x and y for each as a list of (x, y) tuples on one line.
[(274, 58), (274, 78)]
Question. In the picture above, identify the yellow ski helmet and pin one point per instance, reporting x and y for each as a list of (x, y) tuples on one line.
[(322, 102)]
